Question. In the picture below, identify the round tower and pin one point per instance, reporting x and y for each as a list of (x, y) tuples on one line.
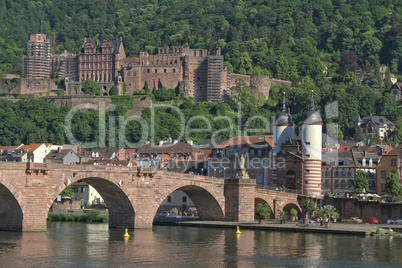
[(311, 139)]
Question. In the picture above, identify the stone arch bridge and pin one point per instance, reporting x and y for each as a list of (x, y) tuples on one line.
[(28, 190)]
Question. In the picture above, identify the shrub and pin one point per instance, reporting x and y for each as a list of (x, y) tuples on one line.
[(262, 212), (293, 212), (92, 215)]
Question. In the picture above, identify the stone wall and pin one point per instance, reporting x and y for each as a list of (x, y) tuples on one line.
[(349, 207)]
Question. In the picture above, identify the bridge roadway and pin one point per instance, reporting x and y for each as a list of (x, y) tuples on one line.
[(133, 195)]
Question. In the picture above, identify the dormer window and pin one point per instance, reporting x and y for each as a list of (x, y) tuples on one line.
[(364, 162), (370, 162)]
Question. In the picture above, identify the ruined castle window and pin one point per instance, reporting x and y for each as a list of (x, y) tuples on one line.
[(174, 70), (156, 71), (147, 70), (164, 70), (175, 62)]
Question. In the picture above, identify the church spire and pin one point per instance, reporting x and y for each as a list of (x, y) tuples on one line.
[(312, 106), (284, 103)]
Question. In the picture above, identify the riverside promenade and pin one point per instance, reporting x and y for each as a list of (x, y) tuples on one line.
[(291, 226)]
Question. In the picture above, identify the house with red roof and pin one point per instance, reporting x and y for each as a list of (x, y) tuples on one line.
[(34, 152)]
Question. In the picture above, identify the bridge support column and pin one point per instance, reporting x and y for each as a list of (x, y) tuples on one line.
[(278, 206), (239, 199)]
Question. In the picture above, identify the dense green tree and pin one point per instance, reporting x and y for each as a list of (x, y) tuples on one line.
[(392, 186), (114, 91), (90, 87), (359, 183)]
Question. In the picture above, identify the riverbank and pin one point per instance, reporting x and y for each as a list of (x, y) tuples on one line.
[(289, 226)]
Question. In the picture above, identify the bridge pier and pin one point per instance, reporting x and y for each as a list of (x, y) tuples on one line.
[(239, 199)]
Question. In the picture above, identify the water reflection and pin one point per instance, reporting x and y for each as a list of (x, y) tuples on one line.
[(95, 245)]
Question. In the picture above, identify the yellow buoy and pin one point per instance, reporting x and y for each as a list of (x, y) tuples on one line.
[(238, 230), (126, 234)]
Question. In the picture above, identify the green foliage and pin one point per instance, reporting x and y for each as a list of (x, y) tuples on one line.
[(88, 217), (397, 199), (67, 192), (163, 94), (309, 206), (329, 212), (114, 91), (359, 134), (359, 183), (283, 215), (392, 186), (293, 212), (262, 211), (123, 89), (90, 87), (92, 215), (123, 103)]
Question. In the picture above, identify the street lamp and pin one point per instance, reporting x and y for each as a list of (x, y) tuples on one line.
[(214, 172), (224, 174), (202, 171)]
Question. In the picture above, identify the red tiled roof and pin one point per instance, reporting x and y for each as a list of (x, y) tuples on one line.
[(31, 147), (236, 141), (130, 60)]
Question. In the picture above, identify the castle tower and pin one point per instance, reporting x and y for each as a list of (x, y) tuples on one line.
[(283, 131), (311, 135), (37, 63)]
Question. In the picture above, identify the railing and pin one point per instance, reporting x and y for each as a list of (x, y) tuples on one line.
[(279, 189)]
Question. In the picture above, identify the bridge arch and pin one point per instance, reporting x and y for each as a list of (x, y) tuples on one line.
[(210, 205), (11, 215), (121, 210)]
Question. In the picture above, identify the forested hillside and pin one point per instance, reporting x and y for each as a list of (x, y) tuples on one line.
[(306, 42)]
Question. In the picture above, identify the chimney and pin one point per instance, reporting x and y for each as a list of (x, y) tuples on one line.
[(190, 142), (365, 153)]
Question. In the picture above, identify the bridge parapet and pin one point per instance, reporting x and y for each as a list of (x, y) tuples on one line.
[(37, 167)]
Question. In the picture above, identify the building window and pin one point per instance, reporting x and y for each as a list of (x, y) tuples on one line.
[(164, 70), (307, 143), (393, 162), (343, 173), (184, 199), (336, 173), (174, 70), (383, 187), (383, 174), (169, 199), (343, 184), (156, 71), (336, 184), (148, 70), (349, 173)]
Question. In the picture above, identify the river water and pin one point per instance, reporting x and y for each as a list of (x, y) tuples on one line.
[(95, 245)]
